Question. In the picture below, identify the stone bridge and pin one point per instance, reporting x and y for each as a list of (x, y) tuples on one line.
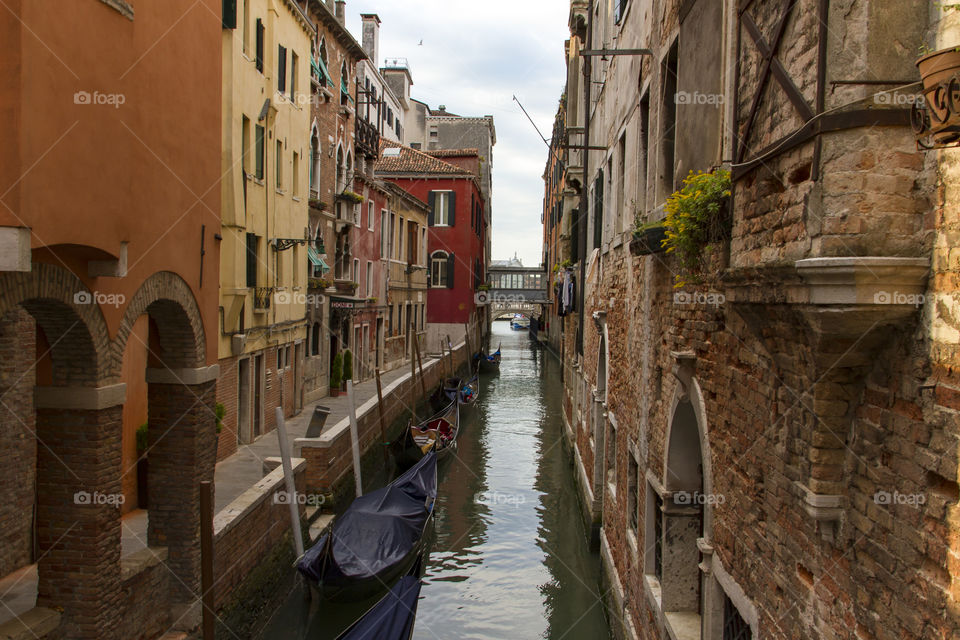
[(515, 290)]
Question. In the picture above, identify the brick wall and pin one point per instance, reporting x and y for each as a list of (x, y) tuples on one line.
[(18, 444), (227, 396)]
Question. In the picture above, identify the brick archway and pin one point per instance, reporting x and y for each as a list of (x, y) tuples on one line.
[(169, 302)]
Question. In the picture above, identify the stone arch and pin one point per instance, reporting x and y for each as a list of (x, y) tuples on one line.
[(170, 303), (535, 312), (65, 309), (688, 500)]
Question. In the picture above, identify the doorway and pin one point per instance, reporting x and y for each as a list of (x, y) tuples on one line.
[(297, 377), (244, 424), (258, 395)]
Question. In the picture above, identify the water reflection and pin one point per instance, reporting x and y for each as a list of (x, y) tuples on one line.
[(509, 557)]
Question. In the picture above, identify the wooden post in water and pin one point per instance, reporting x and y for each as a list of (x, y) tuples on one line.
[(291, 485), (354, 439), (413, 381), (423, 383), (453, 366), (383, 426), (206, 558), (466, 338)]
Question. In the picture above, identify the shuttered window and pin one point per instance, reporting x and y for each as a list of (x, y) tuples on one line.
[(281, 69), (260, 39), (252, 259), (259, 151), (443, 206)]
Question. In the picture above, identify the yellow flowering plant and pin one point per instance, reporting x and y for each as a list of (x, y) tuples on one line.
[(697, 215)]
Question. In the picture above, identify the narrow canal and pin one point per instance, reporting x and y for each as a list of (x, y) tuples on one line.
[(509, 556)]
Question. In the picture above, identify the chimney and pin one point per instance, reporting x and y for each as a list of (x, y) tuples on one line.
[(371, 36), (342, 11)]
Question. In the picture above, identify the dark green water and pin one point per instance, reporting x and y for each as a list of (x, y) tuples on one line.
[(509, 556)]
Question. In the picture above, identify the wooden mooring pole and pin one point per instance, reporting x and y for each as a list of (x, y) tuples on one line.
[(423, 383), (354, 439), (383, 426)]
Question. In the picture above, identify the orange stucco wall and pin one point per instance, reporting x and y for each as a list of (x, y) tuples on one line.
[(88, 177)]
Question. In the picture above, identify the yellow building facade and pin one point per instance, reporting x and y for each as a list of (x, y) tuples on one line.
[(263, 265)]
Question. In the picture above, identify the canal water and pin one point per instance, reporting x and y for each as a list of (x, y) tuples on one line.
[(509, 556)]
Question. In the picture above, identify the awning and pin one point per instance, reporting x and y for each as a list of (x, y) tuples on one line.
[(321, 70), (316, 260)]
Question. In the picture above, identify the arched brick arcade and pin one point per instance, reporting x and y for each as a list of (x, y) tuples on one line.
[(61, 415)]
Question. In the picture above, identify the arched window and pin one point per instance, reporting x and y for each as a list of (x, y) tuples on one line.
[(323, 50), (315, 164), (441, 270), (340, 172), (315, 339), (344, 84)]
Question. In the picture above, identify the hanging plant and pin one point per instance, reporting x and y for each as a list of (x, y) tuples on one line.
[(697, 215), (350, 196)]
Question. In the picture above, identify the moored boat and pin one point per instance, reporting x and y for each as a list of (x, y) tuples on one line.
[(470, 390), (438, 433), (394, 615), (376, 538), (489, 362), (445, 393)]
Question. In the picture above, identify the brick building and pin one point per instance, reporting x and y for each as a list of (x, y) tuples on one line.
[(108, 298), (770, 450), (456, 237), (334, 144)]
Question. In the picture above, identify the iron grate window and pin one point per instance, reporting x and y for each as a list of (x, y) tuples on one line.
[(734, 626), (658, 537)]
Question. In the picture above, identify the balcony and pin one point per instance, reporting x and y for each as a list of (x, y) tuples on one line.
[(368, 138), (261, 299)]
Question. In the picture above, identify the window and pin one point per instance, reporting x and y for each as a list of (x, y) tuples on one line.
[(279, 358), (245, 27), (245, 145), (622, 183), (390, 322), (642, 154), (400, 228), (260, 40), (669, 122), (384, 235), (658, 536), (315, 164), (296, 174), (293, 77), (369, 288), (441, 270), (734, 626), (344, 85), (281, 69), (279, 164), (370, 209), (423, 314), (423, 246), (633, 499), (253, 259), (598, 210), (442, 208), (356, 270), (411, 242), (619, 8), (393, 225), (259, 151)]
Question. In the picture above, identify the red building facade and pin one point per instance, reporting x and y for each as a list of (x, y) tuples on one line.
[(456, 230)]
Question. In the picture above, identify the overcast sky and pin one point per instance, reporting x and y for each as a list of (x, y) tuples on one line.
[(474, 58)]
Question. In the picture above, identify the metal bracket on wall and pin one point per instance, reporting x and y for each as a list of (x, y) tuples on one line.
[(616, 52)]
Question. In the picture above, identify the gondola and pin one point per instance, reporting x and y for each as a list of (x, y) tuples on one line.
[(394, 615), (445, 393), (489, 362), (376, 538), (470, 390), (519, 322), (438, 432)]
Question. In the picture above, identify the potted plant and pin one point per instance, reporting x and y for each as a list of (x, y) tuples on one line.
[(648, 239), (347, 366), (372, 299), (318, 283), (938, 70), (697, 215), (336, 375), (142, 468), (483, 287), (351, 196), (219, 411)]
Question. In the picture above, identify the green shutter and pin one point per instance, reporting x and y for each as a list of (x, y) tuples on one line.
[(451, 261), (432, 200), (451, 207)]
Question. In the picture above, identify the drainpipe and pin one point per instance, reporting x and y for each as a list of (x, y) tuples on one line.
[(584, 189)]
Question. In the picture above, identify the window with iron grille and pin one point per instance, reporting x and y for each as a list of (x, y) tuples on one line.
[(658, 536), (734, 626)]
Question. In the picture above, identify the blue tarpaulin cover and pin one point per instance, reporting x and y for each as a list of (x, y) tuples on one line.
[(377, 531), (393, 617)]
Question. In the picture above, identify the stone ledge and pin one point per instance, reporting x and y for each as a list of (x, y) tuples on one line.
[(79, 398), (190, 376), (140, 561), (236, 511), (862, 280), (34, 624)]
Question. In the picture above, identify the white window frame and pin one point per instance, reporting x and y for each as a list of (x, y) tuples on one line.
[(443, 257), (438, 210), (368, 285), (370, 213)]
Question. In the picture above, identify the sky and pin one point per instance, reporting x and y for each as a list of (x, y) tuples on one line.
[(474, 58)]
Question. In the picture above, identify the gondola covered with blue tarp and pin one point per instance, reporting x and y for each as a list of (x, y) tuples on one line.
[(376, 537), (393, 617)]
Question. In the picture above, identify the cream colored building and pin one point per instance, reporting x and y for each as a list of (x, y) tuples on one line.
[(263, 266)]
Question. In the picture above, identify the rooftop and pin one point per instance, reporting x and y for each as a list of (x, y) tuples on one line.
[(396, 158)]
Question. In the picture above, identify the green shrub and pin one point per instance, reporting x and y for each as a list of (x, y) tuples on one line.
[(219, 411), (142, 438), (336, 372), (697, 215)]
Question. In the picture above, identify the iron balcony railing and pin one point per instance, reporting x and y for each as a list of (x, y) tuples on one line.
[(261, 298)]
